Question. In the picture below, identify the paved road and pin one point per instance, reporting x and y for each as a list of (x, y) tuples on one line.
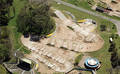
[(82, 69), (116, 22)]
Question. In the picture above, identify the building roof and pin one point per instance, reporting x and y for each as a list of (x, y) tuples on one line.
[(26, 60), (91, 62)]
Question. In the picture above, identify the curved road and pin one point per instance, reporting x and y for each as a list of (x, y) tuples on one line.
[(116, 22), (82, 69)]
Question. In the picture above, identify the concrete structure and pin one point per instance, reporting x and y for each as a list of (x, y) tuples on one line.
[(92, 63), (26, 60), (60, 15)]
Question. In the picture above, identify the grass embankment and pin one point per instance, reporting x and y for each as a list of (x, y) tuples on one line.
[(15, 36), (103, 55), (80, 3), (5, 48), (78, 58), (3, 70)]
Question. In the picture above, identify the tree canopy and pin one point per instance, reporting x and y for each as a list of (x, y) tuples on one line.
[(115, 56), (35, 19), (5, 45), (4, 9)]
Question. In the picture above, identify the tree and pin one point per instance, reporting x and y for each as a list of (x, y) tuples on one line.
[(103, 27), (112, 47), (3, 20), (5, 45), (35, 19), (4, 53), (114, 59), (4, 9)]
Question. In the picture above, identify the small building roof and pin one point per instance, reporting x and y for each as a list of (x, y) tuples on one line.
[(91, 62), (26, 60)]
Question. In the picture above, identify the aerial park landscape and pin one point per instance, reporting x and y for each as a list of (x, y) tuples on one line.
[(59, 36)]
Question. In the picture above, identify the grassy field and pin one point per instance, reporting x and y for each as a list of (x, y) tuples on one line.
[(80, 3), (103, 55), (78, 58), (3, 70), (15, 36)]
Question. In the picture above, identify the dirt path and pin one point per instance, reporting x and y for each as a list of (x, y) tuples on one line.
[(81, 63)]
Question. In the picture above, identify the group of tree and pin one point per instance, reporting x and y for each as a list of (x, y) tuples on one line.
[(5, 45), (115, 58), (4, 11), (35, 19)]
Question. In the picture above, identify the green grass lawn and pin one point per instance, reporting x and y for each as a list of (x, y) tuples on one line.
[(78, 58), (3, 70), (103, 55), (80, 3), (15, 36)]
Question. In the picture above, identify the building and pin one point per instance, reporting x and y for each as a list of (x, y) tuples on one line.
[(25, 64), (100, 9), (92, 63)]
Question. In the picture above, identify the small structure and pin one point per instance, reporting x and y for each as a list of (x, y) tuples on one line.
[(25, 64), (49, 35), (100, 9), (111, 40), (86, 21), (26, 35), (26, 60), (109, 8), (60, 15), (81, 21), (34, 38), (92, 63)]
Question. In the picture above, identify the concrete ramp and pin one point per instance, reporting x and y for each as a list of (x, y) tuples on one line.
[(60, 15)]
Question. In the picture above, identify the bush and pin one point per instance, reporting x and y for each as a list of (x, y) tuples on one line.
[(3, 70), (70, 28), (112, 47), (77, 59), (103, 27), (64, 48)]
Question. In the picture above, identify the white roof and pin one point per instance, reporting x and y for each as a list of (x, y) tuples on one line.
[(92, 62), (26, 60), (111, 39)]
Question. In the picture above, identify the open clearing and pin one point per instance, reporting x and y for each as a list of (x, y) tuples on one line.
[(58, 52), (79, 15)]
